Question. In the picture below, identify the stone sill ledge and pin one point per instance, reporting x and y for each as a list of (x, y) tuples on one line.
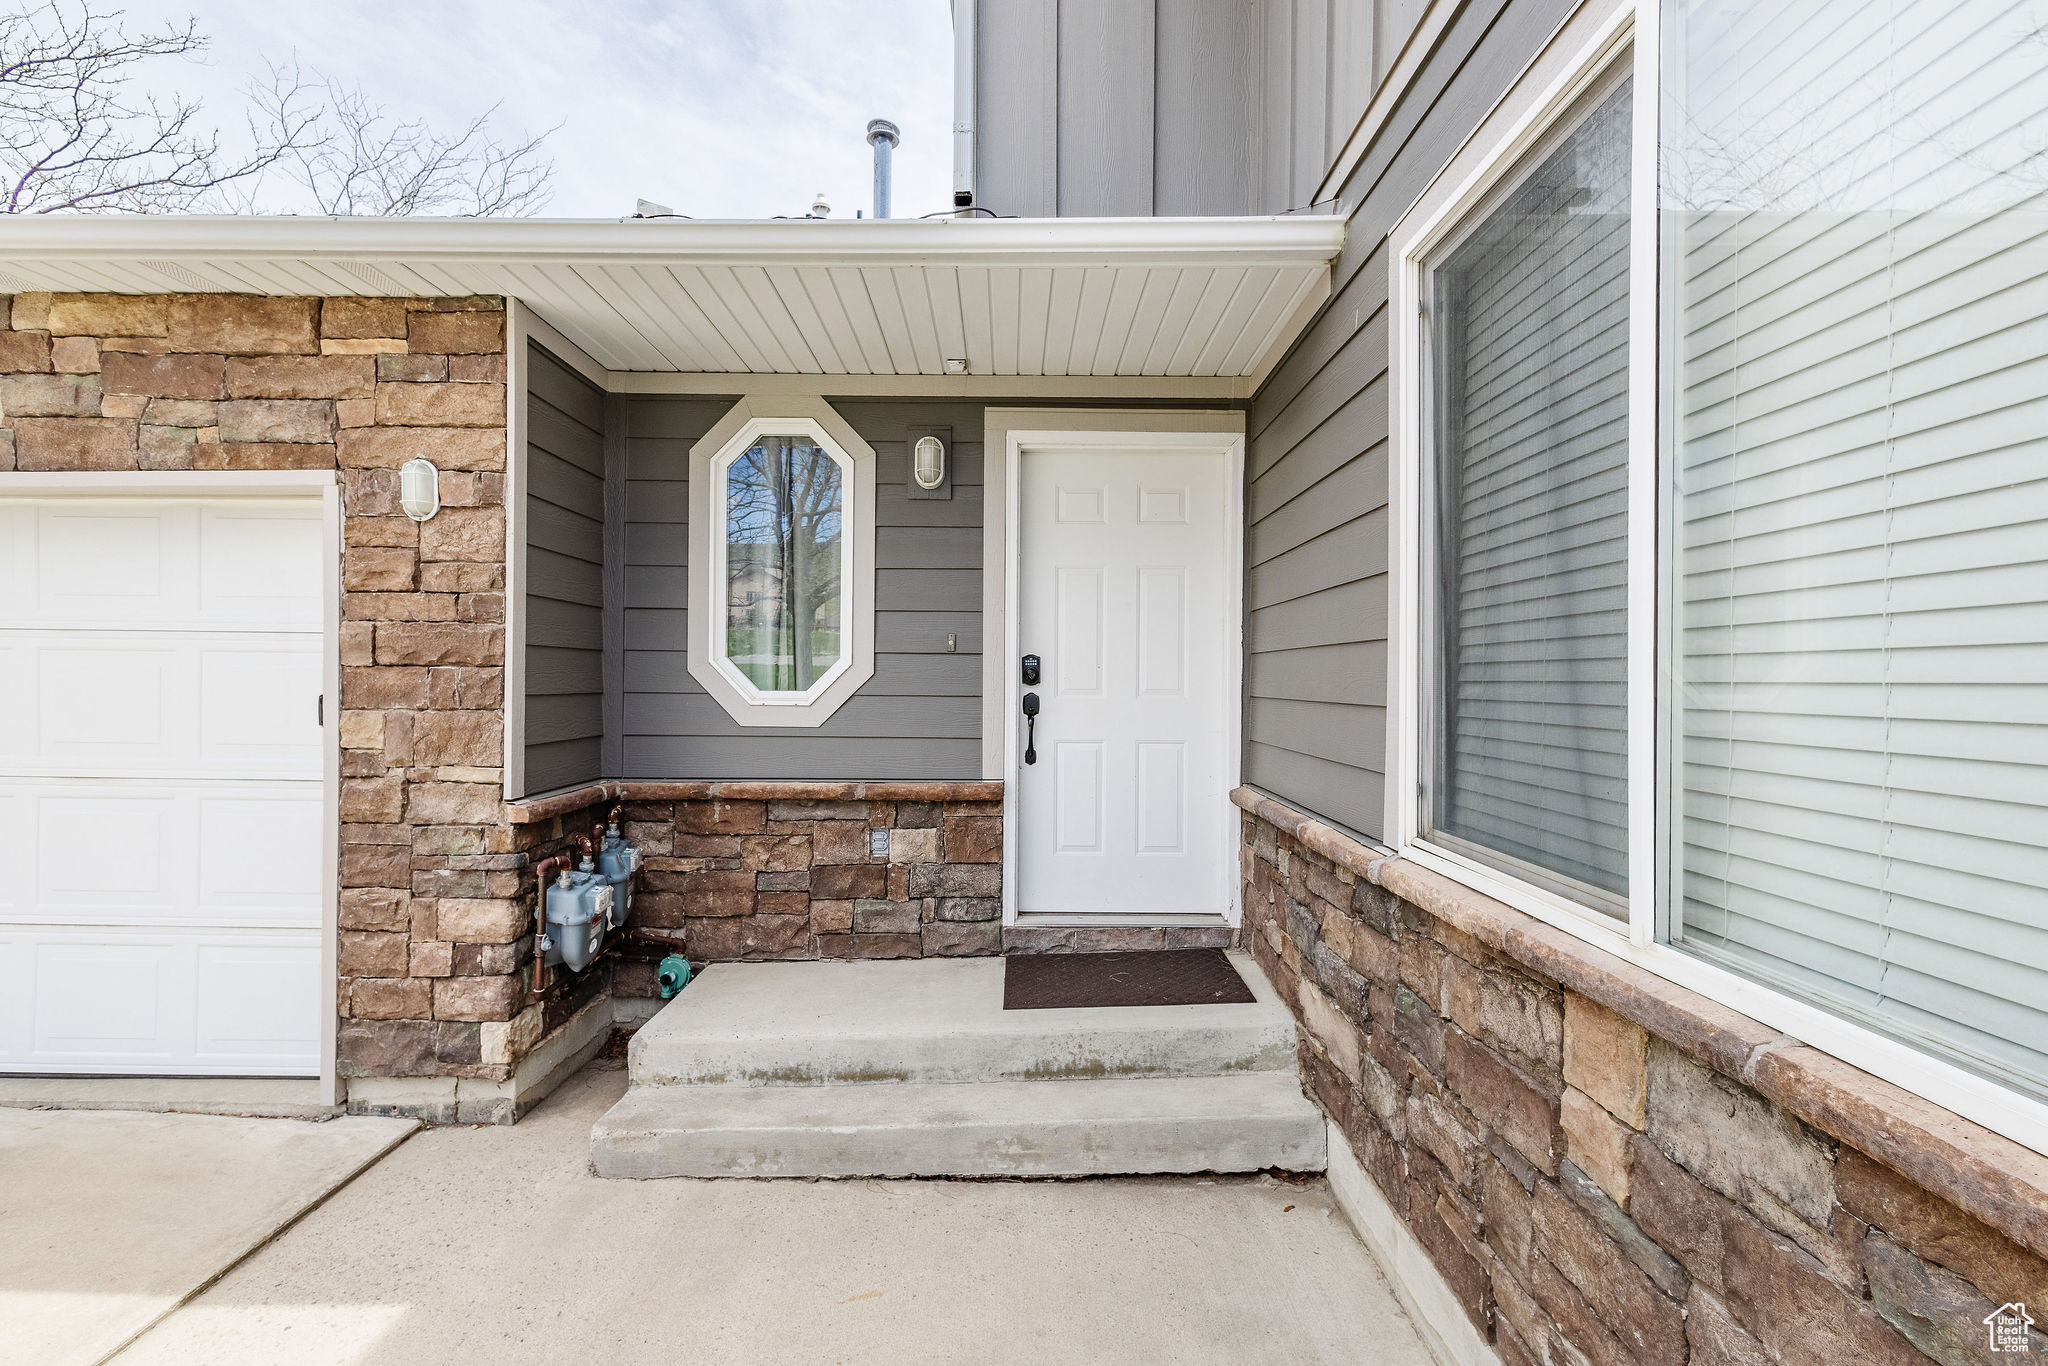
[(1990, 1176), (548, 805)]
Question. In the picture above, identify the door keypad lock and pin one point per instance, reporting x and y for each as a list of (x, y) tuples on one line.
[(1030, 670)]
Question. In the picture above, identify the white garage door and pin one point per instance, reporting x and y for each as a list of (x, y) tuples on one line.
[(161, 803)]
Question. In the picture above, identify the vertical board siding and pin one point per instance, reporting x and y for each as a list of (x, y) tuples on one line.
[(1106, 82), (1396, 20), (1095, 108), (1205, 115), (918, 717), (1308, 107), (1351, 73), (564, 575), (1316, 495), (1016, 139)]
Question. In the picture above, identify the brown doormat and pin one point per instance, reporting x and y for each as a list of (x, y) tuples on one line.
[(1150, 977)]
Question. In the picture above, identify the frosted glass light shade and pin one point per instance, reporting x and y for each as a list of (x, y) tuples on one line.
[(928, 462), (419, 489)]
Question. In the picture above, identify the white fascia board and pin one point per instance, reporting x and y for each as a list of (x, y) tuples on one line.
[(1305, 240)]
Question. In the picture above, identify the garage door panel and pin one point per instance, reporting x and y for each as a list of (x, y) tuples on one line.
[(17, 993), (17, 555), (163, 855), (179, 1002), (162, 805), (104, 856), (105, 1001), (258, 709), (17, 845), (102, 700), (195, 704), (163, 563), (252, 858), (256, 1002), (17, 715), (259, 565), (114, 562)]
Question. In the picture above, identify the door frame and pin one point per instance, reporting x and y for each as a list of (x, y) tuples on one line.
[(1008, 434), (263, 484)]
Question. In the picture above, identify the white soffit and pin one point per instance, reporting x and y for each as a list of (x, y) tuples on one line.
[(1058, 296)]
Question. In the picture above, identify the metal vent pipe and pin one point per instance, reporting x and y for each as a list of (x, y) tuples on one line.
[(883, 137), (963, 103)]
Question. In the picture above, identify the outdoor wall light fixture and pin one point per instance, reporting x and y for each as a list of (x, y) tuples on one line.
[(928, 463), (419, 489)]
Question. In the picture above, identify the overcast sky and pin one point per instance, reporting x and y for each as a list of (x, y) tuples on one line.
[(716, 108)]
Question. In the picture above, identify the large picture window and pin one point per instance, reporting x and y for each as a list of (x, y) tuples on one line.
[(1856, 226), (1528, 424), (782, 562), (1720, 521)]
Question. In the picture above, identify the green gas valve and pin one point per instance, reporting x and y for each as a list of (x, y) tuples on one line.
[(673, 975)]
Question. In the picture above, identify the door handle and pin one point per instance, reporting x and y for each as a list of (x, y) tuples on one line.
[(1031, 728)]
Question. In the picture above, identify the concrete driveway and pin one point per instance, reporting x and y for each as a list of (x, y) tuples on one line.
[(108, 1220), (497, 1244)]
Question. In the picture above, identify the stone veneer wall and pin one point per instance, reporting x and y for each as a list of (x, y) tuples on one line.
[(434, 917), (914, 874), (1115, 938), (1596, 1191), (747, 871)]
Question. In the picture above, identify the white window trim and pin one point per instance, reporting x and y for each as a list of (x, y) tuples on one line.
[(710, 457), (1577, 55)]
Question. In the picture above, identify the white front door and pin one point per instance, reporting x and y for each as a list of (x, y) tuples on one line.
[(161, 796), (1123, 569)]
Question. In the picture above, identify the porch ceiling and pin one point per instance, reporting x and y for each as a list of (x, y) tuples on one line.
[(1216, 297)]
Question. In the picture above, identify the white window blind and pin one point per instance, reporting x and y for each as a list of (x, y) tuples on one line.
[(1856, 224), (1528, 328)]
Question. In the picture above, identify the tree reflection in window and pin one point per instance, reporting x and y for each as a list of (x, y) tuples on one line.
[(783, 503)]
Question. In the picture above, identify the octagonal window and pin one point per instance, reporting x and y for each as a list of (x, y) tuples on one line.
[(781, 561), (786, 568)]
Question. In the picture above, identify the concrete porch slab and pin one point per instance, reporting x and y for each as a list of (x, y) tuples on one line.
[(108, 1221), (452, 1250), (936, 1020)]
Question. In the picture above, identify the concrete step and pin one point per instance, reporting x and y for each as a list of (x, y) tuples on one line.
[(1000, 1128), (935, 1020)]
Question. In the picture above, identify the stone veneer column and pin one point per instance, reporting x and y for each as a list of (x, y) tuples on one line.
[(433, 923)]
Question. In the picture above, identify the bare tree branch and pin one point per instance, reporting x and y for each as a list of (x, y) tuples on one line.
[(72, 138), (367, 162)]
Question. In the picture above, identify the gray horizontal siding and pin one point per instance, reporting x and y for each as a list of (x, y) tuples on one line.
[(918, 717), (564, 575), (1316, 495)]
